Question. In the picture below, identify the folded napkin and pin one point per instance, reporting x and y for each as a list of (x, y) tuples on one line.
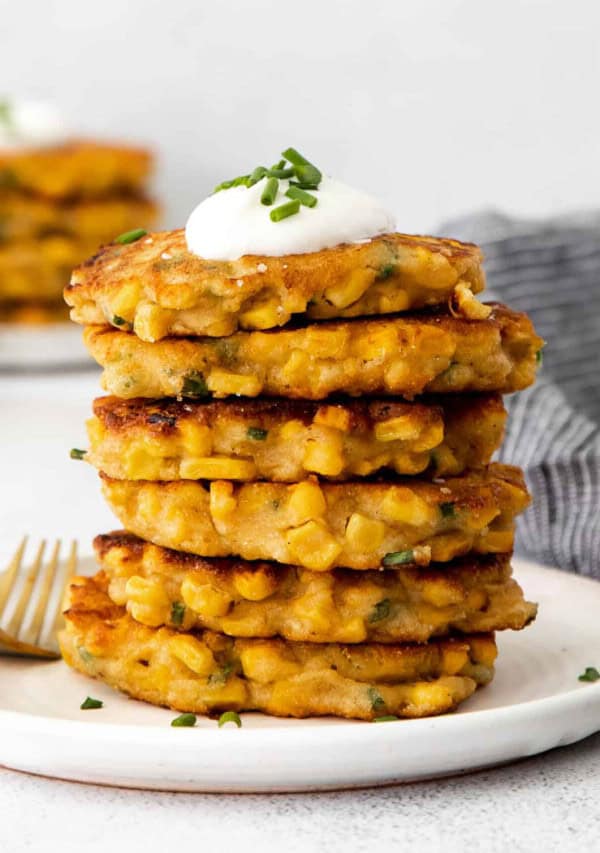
[(551, 270)]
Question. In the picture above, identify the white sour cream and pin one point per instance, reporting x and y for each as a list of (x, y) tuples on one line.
[(30, 124), (233, 222)]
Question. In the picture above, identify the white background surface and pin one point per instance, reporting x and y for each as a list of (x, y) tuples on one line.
[(438, 107), (548, 803)]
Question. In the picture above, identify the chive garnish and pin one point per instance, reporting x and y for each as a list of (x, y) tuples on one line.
[(130, 236), (303, 185), (380, 611), (590, 674), (256, 433), (269, 194), (303, 197), (387, 718), (90, 704), (284, 210), (539, 356), (281, 173), (177, 613), (279, 165), (222, 675), (398, 558), (194, 385), (85, 656), (258, 174), (375, 698), (385, 272), (447, 509), (76, 453), (230, 717), (119, 321), (184, 720), (308, 174)]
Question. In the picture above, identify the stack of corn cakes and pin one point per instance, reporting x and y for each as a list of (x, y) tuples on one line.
[(57, 205), (299, 449)]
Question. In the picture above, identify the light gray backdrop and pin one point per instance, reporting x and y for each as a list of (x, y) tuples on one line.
[(437, 106)]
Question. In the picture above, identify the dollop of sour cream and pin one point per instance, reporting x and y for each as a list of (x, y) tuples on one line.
[(233, 222), (30, 124)]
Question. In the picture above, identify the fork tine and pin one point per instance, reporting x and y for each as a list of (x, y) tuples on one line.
[(32, 634), (68, 573), (17, 617), (8, 578)]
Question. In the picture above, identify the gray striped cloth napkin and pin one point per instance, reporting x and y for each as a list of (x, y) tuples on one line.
[(551, 270)]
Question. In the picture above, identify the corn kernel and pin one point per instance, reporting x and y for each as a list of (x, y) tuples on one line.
[(291, 430), (363, 533), (217, 467), (254, 585), (497, 542), (402, 428), (403, 505), (306, 501), (261, 317), (349, 291), (380, 343), (313, 546), (203, 598), (483, 650), (317, 609), (325, 454), (222, 500), (296, 367), (193, 653), (138, 465), (195, 438), (222, 383), (336, 417), (453, 660), (125, 299), (263, 663), (394, 300), (328, 342), (468, 305), (147, 601), (95, 430), (117, 591), (151, 322)]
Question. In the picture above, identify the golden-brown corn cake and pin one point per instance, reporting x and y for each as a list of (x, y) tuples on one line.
[(406, 356), (160, 288), (256, 599), (286, 440), (38, 268), (76, 169), (360, 524), (25, 216), (207, 672)]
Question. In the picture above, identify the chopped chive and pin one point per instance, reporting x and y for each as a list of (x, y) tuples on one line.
[(281, 173), (85, 656), (539, 356), (285, 210), (275, 504), (118, 321), (447, 509), (278, 165), (388, 718), (269, 194), (194, 385), (375, 698), (184, 720), (256, 433), (303, 197), (258, 174), (385, 272), (308, 174), (90, 704), (177, 613), (398, 558), (241, 181), (380, 611), (302, 185), (76, 453), (130, 236), (222, 675), (230, 717), (590, 674)]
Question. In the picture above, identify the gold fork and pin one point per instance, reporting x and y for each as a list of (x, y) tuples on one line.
[(38, 602)]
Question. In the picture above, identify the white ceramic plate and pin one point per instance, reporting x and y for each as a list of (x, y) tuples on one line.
[(45, 347), (535, 703)]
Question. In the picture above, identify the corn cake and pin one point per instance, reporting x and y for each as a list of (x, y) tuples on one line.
[(257, 599), (360, 525), (160, 288), (406, 356), (206, 672), (25, 216), (38, 268), (76, 169), (286, 440)]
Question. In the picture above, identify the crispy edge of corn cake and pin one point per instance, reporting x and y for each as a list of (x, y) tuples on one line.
[(207, 673), (286, 441), (160, 288), (404, 356), (358, 524), (159, 587), (76, 169)]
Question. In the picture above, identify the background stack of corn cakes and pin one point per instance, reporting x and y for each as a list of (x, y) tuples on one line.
[(314, 523), (57, 205)]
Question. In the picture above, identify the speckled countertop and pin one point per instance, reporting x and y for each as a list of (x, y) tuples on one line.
[(548, 803)]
